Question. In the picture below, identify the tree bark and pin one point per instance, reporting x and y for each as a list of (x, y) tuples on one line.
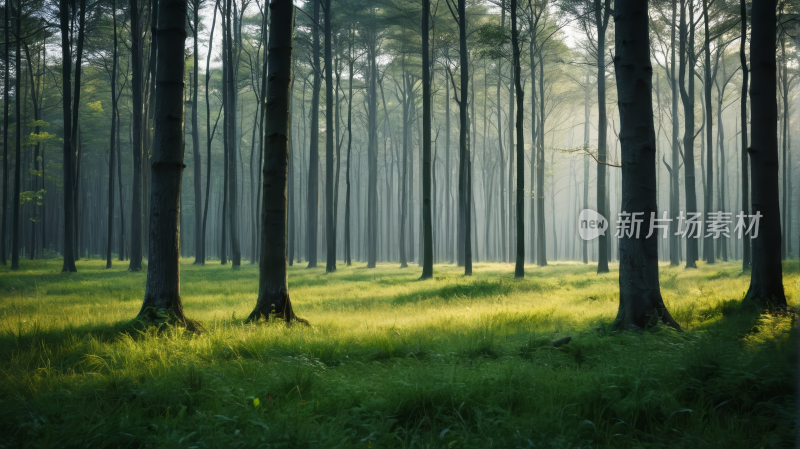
[(313, 161), (136, 106), (687, 97), (427, 218), (709, 200), (112, 151), (519, 269), (640, 302), (746, 245), (68, 170), (601, 15), (465, 192), (15, 237), (330, 219), (273, 279), (163, 269), (766, 275), (199, 256)]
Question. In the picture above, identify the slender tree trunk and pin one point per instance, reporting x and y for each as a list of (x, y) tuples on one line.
[(313, 161), (746, 245), (68, 170), (15, 237), (786, 225), (64, 23), (674, 174), (372, 153), (163, 269), (427, 225), (640, 301), (687, 97), (350, 63), (199, 255), (709, 200), (136, 106), (601, 14), (273, 279), (464, 158), (112, 152), (330, 219), (233, 146), (766, 276), (519, 269), (209, 137)]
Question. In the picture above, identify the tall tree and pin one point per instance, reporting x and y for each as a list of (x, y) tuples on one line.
[(766, 275), (233, 140), (209, 138), (112, 152), (746, 253), (458, 10), (519, 269), (163, 294), (6, 87), (199, 256), (136, 131), (68, 170), (427, 217), (709, 200), (312, 202), (15, 237), (273, 279), (350, 63), (687, 61), (330, 218), (640, 301), (601, 15)]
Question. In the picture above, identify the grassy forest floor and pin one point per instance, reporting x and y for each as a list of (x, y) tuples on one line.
[(389, 361)]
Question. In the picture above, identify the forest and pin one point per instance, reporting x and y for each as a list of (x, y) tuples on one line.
[(488, 213)]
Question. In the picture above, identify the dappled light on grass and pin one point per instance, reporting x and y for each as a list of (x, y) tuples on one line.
[(394, 361)]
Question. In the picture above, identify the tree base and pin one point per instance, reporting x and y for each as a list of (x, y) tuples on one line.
[(162, 318), (267, 309)]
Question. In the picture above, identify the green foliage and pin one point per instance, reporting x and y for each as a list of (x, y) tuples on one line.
[(30, 195), (393, 362)]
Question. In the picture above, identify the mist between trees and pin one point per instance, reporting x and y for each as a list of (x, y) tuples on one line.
[(480, 140)]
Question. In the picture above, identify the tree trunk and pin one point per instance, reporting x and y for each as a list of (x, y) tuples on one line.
[(427, 225), (674, 174), (64, 23), (687, 97), (162, 293), (199, 256), (519, 269), (746, 245), (372, 153), (136, 99), (640, 302), (709, 200), (465, 185), (15, 237), (112, 151), (766, 276), (601, 15), (313, 161), (68, 170), (273, 279), (350, 63), (233, 146), (330, 219), (209, 137)]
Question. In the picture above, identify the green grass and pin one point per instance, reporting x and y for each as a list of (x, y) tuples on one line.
[(390, 361)]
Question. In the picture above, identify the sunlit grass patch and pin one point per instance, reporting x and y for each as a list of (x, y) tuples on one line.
[(450, 361)]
